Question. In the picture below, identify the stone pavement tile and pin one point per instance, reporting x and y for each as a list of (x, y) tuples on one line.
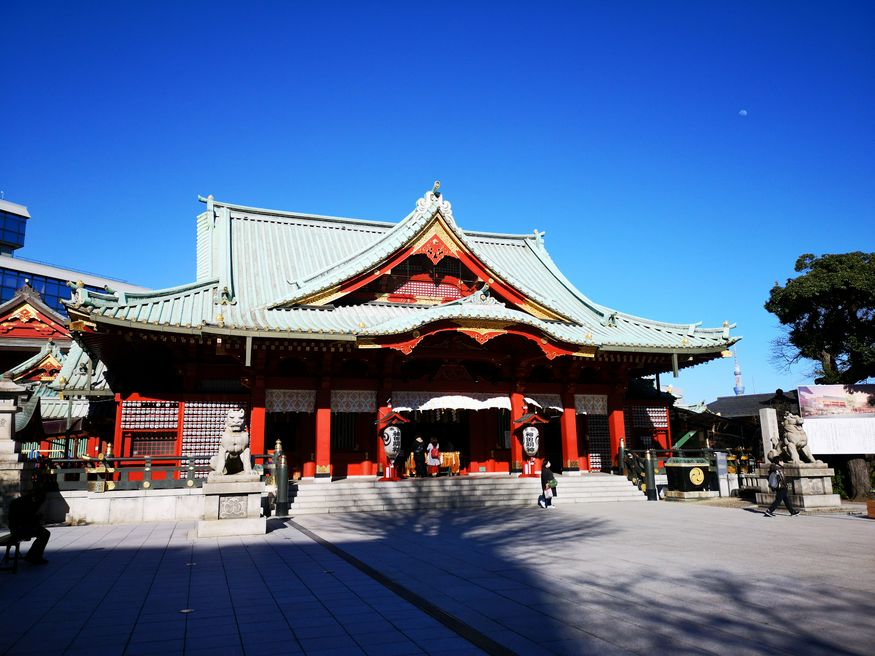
[(208, 641), (399, 647), (368, 628), (465, 649), (154, 648), (319, 630), (250, 636), (169, 631), (100, 644), (265, 627), (335, 651), (322, 618), (329, 642), (379, 638), (261, 647), (210, 628), (194, 650), (446, 644)]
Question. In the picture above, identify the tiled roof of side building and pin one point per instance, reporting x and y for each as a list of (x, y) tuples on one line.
[(50, 348), (73, 378), (745, 405)]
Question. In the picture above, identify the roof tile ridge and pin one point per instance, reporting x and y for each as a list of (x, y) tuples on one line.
[(685, 327), (373, 246), (426, 208), (507, 277), (291, 214), (536, 245), (135, 297)]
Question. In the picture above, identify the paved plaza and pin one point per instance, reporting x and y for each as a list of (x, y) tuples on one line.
[(612, 578)]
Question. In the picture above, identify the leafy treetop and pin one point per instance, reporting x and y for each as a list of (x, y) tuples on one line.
[(829, 312)]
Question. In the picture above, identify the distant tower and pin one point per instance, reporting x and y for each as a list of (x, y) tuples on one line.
[(739, 386)]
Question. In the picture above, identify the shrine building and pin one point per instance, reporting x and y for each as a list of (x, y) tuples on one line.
[(327, 329)]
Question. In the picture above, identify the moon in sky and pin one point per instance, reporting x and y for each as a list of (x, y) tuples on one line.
[(743, 112)]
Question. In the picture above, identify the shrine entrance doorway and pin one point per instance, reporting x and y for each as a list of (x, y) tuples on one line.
[(451, 427)]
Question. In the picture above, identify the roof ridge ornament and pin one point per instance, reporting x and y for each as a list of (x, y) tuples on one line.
[(481, 297), (433, 201), (610, 320)]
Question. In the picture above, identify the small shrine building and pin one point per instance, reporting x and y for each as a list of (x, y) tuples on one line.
[(327, 329)]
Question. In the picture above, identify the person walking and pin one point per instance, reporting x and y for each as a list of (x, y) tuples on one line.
[(778, 483), (548, 485)]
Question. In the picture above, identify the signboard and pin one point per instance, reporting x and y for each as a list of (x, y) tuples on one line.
[(839, 419), (837, 401)]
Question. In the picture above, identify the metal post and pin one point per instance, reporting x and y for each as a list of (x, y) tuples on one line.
[(621, 458), (651, 476), (281, 475)]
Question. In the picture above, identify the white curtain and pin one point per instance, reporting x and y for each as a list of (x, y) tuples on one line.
[(406, 401)]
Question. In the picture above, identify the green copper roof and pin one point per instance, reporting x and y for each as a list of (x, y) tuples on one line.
[(49, 348), (73, 376), (254, 264)]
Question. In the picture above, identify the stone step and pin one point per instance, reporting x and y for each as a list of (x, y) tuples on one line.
[(368, 495)]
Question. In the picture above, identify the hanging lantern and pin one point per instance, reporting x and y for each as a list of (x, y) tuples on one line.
[(392, 442), (530, 441)]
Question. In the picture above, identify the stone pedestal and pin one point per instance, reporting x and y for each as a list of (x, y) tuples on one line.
[(14, 470), (809, 486), (232, 506), (680, 495)]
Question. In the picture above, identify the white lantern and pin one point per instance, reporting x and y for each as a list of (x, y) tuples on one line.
[(530, 441), (392, 442)]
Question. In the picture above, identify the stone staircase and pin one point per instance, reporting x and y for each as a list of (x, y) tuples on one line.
[(490, 491)]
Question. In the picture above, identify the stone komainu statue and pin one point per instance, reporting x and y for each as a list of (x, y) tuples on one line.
[(793, 444), (233, 456)]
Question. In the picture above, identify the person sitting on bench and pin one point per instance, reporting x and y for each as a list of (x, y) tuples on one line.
[(24, 524)]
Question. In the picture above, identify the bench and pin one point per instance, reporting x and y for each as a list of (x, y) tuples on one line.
[(6, 540)]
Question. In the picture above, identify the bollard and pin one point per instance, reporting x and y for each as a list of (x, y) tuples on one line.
[(651, 477), (281, 475), (621, 458)]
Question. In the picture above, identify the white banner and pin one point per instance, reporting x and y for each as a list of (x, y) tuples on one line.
[(828, 435)]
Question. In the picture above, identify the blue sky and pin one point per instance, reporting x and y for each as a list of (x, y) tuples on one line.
[(679, 156)]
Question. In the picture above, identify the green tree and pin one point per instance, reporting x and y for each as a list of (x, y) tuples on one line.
[(829, 312)]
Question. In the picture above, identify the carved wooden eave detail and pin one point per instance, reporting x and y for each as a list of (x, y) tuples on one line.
[(26, 318), (481, 332)]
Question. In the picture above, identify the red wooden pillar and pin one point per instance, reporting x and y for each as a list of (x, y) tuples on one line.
[(568, 423), (381, 459), (616, 422), (517, 405), (258, 416), (323, 433), (117, 447)]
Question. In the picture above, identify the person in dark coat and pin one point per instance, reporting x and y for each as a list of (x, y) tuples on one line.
[(546, 478), (419, 457), (780, 492), (24, 524)]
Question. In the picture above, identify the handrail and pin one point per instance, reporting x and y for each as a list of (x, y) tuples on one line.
[(142, 472)]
